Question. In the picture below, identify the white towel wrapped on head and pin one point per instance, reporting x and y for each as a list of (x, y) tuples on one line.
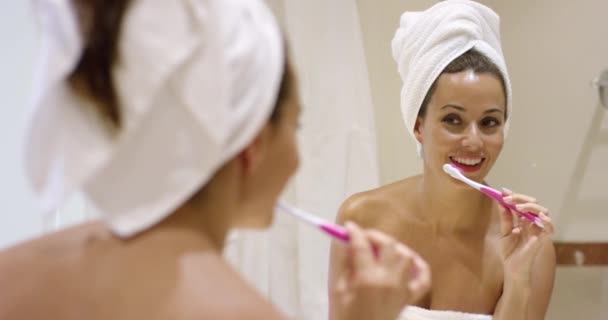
[(427, 41), (196, 81)]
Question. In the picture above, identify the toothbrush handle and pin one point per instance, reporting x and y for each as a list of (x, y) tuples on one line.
[(498, 197), (340, 233), (336, 231)]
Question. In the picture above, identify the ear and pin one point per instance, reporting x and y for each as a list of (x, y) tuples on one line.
[(254, 153), (418, 129)]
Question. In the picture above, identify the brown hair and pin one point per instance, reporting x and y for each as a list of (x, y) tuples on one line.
[(470, 60), (287, 83), (100, 21)]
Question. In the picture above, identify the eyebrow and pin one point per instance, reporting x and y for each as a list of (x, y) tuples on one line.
[(493, 110), (453, 106), (460, 108)]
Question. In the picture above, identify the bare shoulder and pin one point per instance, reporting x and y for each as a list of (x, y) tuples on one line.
[(374, 207), (56, 247), (172, 279), (42, 269), (211, 289)]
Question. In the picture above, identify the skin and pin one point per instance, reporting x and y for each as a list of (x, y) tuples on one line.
[(504, 265), (175, 270)]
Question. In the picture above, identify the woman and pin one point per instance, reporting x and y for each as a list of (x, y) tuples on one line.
[(177, 119), (456, 103)]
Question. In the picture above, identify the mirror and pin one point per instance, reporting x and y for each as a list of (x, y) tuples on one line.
[(557, 148)]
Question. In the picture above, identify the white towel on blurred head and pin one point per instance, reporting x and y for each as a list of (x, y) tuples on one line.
[(196, 81)]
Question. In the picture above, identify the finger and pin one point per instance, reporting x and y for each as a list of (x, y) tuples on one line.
[(394, 255), (359, 247), (516, 198), (421, 283), (381, 242), (389, 255), (526, 228), (506, 221), (378, 237), (405, 262), (531, 244), (531, 207), (506, 192), (534, 230), (547, 222), (385, 246), (341, 285), (516, 231), (546, 212), (546, 228)]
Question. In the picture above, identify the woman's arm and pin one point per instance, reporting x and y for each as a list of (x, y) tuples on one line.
[(543, 276), (531, 299)]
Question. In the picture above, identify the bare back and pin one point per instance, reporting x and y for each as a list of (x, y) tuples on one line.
[(86, 273), (466, 267)]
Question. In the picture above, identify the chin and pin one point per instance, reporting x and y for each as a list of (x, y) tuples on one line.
[(266, 221)]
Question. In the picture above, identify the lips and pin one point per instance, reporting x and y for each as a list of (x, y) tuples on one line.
[(467, 163)]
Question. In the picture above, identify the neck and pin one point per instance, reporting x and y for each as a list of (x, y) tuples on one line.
[(207, 218), (206, 224), (452, 206)]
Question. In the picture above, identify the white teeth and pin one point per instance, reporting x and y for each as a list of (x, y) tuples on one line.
[(467, 161)]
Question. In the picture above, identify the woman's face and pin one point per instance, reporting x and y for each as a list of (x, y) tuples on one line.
[(278, 161), (463, 124)]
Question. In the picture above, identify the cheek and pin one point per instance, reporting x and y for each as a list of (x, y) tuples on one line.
[(294, 153), (495, 142), (289, 155), (441, 138), (437, 143)]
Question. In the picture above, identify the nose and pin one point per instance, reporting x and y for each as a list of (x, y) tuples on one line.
[(472, 139)]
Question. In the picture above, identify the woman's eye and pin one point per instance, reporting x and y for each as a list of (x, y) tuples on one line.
[(452, 119), (490, 122)]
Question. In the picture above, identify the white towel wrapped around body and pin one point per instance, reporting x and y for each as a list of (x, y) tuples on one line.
[(415, 313)]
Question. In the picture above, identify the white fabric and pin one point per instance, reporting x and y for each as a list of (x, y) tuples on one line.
[(415, 313), (196, 80), (427, 41), (289, 263)]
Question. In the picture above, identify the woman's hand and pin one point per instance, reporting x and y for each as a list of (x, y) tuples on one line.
[(528, 261), (521, 238), (381, 276)]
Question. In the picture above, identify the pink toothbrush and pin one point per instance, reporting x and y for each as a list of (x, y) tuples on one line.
[(455, 173), (334, 230)]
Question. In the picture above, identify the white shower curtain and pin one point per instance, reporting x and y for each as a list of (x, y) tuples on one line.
[(289, 262)]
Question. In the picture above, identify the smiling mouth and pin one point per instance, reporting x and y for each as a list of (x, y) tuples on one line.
[(467, 164)]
